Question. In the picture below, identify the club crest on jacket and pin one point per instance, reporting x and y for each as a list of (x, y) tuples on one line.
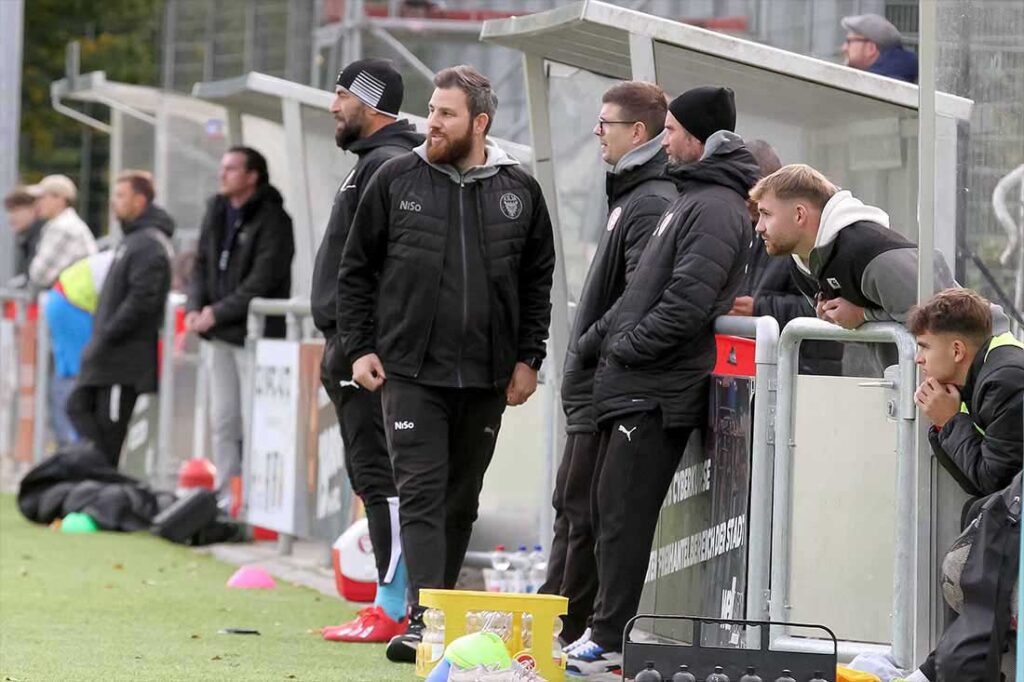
[(511, 205)]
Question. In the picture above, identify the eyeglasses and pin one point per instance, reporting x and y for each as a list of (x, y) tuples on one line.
[(601, 123), (848, 41)]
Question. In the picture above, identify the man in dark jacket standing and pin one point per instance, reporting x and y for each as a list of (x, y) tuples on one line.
[(629, 127), (120, 361), (368, 96), (874, 45), (769, 287), (973, 392), (444, 300), (245, 251), (657, 350)]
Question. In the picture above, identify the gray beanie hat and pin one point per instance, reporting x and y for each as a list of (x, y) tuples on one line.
[(875, 28)]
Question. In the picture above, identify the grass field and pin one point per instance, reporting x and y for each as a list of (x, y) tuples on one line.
[(114, 606)]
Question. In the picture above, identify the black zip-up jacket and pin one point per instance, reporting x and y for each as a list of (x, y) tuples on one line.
[(770, 281), (390, 297), (993, 397), (258, 264), (637, 196), (387, 143), (659, 348), (130, 310)]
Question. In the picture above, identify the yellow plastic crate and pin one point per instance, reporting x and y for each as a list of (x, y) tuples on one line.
[(544, 609)]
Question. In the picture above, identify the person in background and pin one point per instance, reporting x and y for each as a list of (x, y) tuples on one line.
[(630, 130), (65, 237), (64, 240), (874, 45), (444, 304), (20, 205), (245, 251), (120, 362), (769, 288), (973, 391), (368, 95)]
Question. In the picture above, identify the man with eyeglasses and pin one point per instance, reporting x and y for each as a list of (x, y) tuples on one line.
[(874, 45), (630, 130)]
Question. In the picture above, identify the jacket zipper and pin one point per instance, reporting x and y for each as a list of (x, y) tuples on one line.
[(465, 283)]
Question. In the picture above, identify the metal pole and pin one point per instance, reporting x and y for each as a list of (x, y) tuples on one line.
[(165, 424), (42, 387), (922, 503), (765, 332), (11, 18)]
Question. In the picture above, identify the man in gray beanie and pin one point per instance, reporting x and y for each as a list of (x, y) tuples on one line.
[(874, 45)]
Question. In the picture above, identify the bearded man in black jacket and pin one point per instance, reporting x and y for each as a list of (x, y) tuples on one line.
[(656, 350), (368, 95), (629, 127), (444, 301)]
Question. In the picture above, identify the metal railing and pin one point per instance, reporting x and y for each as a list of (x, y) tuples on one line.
[(765, 332), (912, 481)]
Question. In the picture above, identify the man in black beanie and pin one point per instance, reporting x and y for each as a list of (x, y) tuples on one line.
[(655, 351), (367, 98)]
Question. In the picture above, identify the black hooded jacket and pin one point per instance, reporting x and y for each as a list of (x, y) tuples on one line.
[(130, 311), (658, 347), (981, 446), (257, 263), (637, 196), (387, 143)]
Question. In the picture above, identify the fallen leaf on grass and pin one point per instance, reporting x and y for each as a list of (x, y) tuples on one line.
[(118, 567), (290, 677), (195, 637), (215, 658)]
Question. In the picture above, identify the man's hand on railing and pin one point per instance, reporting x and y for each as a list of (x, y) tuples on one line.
[(841, 312), (368, 372)]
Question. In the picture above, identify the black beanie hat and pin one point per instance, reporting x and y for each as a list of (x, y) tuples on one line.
[(705, 110), (374, 82)]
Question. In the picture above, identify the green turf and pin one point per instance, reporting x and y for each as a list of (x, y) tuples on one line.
[(114, 606)]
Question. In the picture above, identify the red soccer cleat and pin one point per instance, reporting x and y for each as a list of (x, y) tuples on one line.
[(371, 625)]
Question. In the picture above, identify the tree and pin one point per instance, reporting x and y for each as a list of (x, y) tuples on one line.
[(120, 37)]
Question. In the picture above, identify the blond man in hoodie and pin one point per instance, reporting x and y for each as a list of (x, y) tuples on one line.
[(845, 256)]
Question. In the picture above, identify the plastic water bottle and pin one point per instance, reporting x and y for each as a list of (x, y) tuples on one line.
[(648, 674), (501, 562), (751, 675), (538, 572), (557, 655), (527, 633), (684, 675), (717, 676), (786, 676), (520, 569), (433, 632)]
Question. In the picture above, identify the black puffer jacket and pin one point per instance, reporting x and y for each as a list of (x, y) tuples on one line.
[(130, 312), (259, 264), (389, 294), (637, 196), (981, 446), (385, 144), (659, 348)]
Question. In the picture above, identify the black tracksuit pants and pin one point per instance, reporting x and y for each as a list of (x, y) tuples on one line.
[(441, 442), (367, 462), (572, 565), (636, 461), (101, 414)]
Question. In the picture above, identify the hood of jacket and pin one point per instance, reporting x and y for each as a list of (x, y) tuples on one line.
[(646, 162), (153, 216), (399, 134), (726, 161), (841, 211), (496, 158)]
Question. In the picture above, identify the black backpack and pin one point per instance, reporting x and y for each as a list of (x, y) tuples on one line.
[(972, 647)]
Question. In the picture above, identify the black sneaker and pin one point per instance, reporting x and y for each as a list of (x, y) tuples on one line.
[(402, 648)]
